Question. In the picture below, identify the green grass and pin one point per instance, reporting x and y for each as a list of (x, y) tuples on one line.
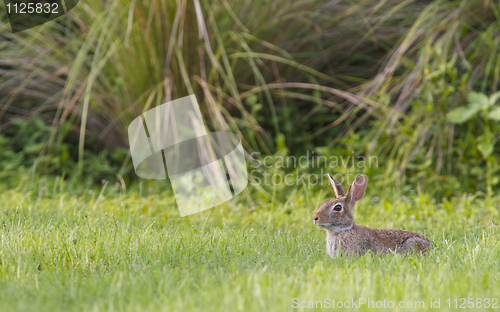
[(365, 78), (62, 252)]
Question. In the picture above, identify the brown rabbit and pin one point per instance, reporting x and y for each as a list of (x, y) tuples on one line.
[(344, 237)]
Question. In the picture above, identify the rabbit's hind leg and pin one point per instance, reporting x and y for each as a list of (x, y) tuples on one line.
[(413, 244)]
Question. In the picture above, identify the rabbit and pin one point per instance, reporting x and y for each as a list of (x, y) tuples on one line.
[(346, 238)]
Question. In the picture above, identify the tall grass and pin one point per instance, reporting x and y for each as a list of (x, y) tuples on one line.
[(449, 51), (109, 61), (374, 78)]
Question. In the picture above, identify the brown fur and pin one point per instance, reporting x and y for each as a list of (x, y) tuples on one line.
[(344, 237)]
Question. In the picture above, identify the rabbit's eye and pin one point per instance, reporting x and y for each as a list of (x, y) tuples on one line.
[(337, 207)]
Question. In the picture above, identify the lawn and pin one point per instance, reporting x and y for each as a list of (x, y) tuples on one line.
[(125, 252), (413, 84)]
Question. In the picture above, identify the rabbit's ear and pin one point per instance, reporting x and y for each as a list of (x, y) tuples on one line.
[(357, 189), (337, 187)]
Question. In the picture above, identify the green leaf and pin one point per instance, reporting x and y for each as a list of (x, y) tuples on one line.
[(476, 171), (485, 148), (322, 150), (257, 107), (460, 114), (280, 141), (494, 98), (494, 114), (251, 99), (477, 99)]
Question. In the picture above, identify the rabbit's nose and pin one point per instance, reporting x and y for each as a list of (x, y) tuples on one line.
[(316, 219)]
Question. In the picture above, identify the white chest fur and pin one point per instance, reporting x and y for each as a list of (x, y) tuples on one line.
[(332, 244)]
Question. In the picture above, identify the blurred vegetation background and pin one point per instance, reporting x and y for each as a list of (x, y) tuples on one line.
[(412, 82)]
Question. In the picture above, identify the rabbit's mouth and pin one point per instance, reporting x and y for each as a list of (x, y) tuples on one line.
[(323, 225)]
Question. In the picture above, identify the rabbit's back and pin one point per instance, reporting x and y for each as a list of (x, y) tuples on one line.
[(361, 239), (400, 240)]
